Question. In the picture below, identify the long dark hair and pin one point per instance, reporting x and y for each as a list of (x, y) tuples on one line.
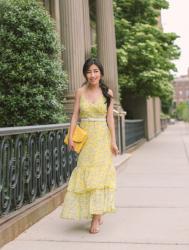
[(102, 85)]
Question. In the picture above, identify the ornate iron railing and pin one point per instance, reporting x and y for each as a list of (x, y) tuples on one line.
[(134, 130), (33, 161)]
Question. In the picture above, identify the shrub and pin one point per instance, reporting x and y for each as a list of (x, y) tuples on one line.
[(32, 81), (182, 111)]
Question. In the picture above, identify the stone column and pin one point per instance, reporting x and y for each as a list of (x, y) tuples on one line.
[(54, 10), (72, 36), (86, 20), (106, 50), (157, 112), (150, 118), (56, 14), (106, 44), (47, 4)]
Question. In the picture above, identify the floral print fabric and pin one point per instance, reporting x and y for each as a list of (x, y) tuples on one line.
[(91, 188)]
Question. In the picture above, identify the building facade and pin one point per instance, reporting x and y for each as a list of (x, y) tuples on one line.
[(181, 89)]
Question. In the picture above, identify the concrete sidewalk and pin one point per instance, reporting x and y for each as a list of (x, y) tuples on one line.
[(152, 205)]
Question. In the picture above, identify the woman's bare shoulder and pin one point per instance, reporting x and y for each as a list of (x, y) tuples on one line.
[(80, 91), (110, 92)]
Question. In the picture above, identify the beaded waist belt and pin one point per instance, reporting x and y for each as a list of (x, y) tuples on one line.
[(91, 119)]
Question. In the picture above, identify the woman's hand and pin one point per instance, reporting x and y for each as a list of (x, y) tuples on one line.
[(114, 148), (71, 145)]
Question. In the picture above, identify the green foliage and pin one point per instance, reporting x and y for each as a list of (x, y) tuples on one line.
[(182, 111), (164, 116), (94, 51), (31, 77), (145, 52), (139, 11), (167, 105)]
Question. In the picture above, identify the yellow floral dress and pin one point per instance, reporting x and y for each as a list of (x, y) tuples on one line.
[(91, 188)]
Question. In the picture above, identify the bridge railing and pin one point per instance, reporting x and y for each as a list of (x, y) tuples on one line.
[(33, 161)]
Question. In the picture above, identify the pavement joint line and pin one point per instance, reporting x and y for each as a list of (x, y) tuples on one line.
[(185, 150), (160, 187), (185, 174), (114, 242), (185, 207), (185, 147)]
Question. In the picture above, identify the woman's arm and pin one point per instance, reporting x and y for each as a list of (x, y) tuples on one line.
[(111, 125), (74, 119)]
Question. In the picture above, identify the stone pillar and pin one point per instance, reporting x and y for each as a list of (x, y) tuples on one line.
[(72, 36), (150, 118), (106, 44), (55, 11), (47, 4), (106, 50), (86, 23), (157, 113)]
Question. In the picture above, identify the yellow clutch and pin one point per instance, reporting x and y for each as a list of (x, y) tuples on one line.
[(79, 138)]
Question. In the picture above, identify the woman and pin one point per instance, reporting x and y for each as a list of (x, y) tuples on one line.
[(91, 188)]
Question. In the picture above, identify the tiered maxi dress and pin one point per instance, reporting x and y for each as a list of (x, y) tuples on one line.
[(92, 185)]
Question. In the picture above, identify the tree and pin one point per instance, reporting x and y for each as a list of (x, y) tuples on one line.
[(145, 52), (31, 77), (182, 111)]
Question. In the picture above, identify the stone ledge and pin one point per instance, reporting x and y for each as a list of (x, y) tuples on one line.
[(136, 145), (14, 224)]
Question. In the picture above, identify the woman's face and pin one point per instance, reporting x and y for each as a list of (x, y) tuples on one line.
[(93, 75)]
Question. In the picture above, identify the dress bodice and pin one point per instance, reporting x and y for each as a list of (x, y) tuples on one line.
[(89, 109)]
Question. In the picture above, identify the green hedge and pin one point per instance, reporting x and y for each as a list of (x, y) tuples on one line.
[(182, 111), (32, 81)]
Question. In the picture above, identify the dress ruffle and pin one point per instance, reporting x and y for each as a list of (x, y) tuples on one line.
[(83, 206), (85, 179)]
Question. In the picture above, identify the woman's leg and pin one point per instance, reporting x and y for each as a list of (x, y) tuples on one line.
[(95, 223)]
